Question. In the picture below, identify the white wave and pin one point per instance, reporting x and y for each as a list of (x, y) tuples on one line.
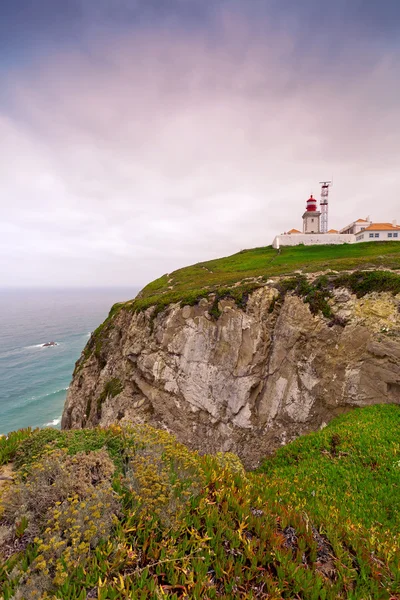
[(53, 423), (56, 392), (34, 399), (34, 346), (50, 393)]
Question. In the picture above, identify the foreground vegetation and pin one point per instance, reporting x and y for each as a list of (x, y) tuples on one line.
[(130, 513)]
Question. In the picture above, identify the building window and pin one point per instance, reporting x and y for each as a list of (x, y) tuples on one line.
[(396, 235), (371, 235), (390, 234), (312, 220), (377, 235), (360, 237), (362, 228)]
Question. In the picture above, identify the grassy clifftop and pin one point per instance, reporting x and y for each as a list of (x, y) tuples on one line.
[(130, 513), (238, 275), (193, 282)]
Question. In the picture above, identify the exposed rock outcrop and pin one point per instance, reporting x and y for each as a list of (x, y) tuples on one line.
[(248, 381)]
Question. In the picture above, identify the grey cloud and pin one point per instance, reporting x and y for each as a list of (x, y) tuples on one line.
[(150, 152)]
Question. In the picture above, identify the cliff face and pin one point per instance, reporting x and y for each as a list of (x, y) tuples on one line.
[(248, 381)]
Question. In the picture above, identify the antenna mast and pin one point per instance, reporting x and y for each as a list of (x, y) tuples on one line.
[(324, 205)]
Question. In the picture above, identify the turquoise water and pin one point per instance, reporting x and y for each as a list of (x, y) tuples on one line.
[(34, 380)]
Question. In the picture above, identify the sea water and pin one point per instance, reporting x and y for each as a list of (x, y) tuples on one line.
[(34, 379)]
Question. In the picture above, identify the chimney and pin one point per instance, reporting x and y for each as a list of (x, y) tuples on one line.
[(394, 223)]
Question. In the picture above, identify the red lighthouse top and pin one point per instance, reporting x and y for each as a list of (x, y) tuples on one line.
[(311, 204)]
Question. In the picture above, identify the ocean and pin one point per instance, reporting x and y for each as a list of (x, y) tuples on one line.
[(34, 379)]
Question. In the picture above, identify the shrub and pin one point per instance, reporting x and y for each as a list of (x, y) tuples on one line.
[(315, 294), (215, 311), (65, 506), (162, 474), (9, 444), (34, 446), (52, 480), (112, 388), (74, 528), (231, 462), (318, 292), (364, 282)]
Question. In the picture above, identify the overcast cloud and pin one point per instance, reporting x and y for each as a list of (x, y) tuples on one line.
[(138, 137)]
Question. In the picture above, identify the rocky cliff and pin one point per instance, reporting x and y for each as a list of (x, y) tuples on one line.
[(244, 378)]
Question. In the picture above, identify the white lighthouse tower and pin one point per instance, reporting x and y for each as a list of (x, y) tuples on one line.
[(312, 216)]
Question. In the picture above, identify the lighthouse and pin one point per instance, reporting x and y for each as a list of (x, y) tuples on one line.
[(311, 218)]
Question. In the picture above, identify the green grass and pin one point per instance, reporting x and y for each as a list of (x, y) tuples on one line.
[(319, 520), (194, 282), (352, 466), (112, 388)]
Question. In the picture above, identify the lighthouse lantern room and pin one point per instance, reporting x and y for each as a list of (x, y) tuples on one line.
[(312, 216)]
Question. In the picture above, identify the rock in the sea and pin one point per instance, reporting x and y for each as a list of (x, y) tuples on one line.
[(246, 382), (49, 344)]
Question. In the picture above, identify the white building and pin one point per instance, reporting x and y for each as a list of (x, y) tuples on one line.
[(379, 232), (361, 230), (357, 226)]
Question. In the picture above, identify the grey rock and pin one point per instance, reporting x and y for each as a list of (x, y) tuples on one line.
[(247, 382)]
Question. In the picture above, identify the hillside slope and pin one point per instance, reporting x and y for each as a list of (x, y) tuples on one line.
[(260, 264), (130, 513), (249, 366)]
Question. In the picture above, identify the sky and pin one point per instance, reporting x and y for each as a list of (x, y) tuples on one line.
[(140, 136)]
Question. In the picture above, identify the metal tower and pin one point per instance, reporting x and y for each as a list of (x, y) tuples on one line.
[(324, 205)]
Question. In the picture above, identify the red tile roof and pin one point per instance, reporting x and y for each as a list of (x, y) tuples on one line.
[(294, 231), (382, 227)]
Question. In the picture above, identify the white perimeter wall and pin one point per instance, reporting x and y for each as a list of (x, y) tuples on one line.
[(312, 239)]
